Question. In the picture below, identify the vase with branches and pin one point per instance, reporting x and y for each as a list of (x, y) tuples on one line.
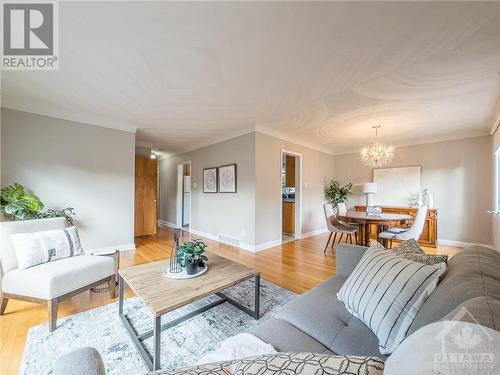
[(336, 193)]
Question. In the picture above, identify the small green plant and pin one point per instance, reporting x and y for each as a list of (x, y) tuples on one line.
[(17, 204), (335, 193), (191, 252)]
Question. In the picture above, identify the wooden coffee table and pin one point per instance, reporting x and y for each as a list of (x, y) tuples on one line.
[(163, 295)]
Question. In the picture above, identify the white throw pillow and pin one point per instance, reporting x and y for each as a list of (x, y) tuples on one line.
[(385, 291), (447, 347), (42, 247)]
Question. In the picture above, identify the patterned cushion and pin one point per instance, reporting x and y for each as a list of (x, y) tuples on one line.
[(410, 249), (429, 259), (385, 291), (42, 247), (288, 363)]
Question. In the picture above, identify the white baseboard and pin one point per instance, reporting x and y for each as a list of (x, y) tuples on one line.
[(125, 247), (252, 248), (460, 243), (197, 232), (267, 245), (270, 244), (242, 245), (314, 233), (163, 223), (214, 237)]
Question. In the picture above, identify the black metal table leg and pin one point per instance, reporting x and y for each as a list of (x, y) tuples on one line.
[(153, 361), (257, 297), (157, 342), (120, 295), (253, 313)]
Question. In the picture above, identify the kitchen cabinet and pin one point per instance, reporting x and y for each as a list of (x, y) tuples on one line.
[(289, 171), (288, 222)]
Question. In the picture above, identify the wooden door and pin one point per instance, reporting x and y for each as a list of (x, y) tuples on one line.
[(145, 195), (289, 171)]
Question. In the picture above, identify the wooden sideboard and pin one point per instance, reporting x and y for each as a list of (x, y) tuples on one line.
[(429, 233)]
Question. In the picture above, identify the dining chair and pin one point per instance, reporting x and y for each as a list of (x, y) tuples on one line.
[(335, 226), (403, 234), (342, 210)]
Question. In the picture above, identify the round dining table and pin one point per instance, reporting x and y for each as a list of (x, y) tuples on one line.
[(382, 221)]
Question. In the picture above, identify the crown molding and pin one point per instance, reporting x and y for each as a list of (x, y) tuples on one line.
[(81, 119), (496, 125), (200, 145), (495, 117), (426, 142), (292, 139)]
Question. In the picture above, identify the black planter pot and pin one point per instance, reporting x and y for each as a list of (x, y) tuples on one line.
[(191, 268), (201, 263)]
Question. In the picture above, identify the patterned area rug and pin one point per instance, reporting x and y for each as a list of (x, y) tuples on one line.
[(182, 345)]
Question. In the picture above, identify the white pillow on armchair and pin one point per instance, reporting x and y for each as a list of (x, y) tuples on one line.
[(41, 247)]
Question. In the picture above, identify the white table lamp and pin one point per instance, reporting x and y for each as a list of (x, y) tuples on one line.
[(369, 188)]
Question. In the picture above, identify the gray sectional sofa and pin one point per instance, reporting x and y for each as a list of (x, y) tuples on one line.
[(317, 322)]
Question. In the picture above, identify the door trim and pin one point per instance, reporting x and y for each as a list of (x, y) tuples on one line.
[(298, 206)]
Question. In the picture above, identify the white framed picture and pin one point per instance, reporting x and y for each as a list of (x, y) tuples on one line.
[(395, 186), (210, 180), (227, 178)]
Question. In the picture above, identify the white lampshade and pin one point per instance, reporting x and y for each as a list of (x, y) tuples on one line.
[(370, 188)]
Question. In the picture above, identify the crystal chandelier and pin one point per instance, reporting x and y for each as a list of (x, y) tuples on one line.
[(377, 155)]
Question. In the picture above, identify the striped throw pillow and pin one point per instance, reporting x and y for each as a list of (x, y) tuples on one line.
[(385, 291), (41, 247)]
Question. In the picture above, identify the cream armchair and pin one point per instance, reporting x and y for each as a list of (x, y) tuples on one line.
[(49, 282)]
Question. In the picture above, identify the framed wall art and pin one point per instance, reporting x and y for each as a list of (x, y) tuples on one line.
[(395, 186), (227, 178), (210, 180)]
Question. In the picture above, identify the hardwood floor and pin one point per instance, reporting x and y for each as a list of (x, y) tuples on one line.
[(297, 265)]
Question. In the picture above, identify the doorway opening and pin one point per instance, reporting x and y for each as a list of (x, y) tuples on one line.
[(291, 194), (184, 195)]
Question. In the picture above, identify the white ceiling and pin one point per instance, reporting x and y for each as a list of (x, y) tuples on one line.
[(189, 74)]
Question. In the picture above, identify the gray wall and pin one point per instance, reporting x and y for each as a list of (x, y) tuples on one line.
[(228, 214), (78, 165), (253, 214), (144, 151), (317, 169), (457, 173)]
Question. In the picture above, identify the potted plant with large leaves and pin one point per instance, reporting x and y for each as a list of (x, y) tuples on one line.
[(190, 255), (18, 204), (336, 193)]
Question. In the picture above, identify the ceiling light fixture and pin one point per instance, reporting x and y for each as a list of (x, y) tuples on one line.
[(377, 155), (153, 155)]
